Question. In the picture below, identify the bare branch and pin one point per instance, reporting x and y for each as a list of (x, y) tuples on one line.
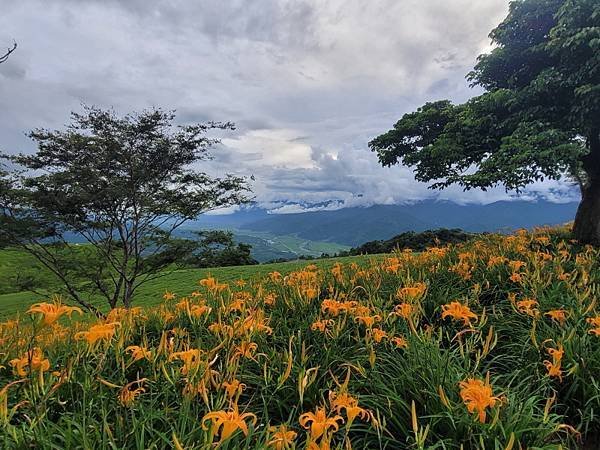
[(4, 57)]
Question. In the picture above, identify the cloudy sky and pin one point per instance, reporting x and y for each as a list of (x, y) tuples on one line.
[(308, 83)]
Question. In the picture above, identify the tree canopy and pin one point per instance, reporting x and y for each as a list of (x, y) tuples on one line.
[(537, 119), (122, 185)]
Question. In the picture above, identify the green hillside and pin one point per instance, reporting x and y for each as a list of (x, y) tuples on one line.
[(181, 282), (20, 271)]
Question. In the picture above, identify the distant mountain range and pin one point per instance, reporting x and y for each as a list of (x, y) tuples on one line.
[(354, 226)]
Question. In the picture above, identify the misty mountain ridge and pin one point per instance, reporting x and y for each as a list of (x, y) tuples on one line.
[(356, 225)]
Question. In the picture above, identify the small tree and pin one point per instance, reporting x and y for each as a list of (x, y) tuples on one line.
[(123, 185), (539, 116), (217, 248)]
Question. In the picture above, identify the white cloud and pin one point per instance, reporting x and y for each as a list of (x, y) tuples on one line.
[(273, 148), (308, 82)]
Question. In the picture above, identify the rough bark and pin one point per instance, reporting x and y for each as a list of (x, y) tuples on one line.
[(587, 220)]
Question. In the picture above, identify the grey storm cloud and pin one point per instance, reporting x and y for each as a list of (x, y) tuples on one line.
[(307, 82)]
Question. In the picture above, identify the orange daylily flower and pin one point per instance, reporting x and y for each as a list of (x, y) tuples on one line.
[(404, 310), (199, 310), (51, 312), (100, 332), (275, 276), (528, 306), (236, 305), (191, 390), (378, 334), (516, 277), (563, 277), (368, 321), (323, 445), (34, 359), (558, 315), (182, 305), (517, 265), (595, 323), (319, 423), (190, 358), (233, 388), (123, 314), (477, 395), (254, 323), (458, 311), (221, 329), (139, 352), (168, 296), (392, 264), (360, 310), (282, 438), (211, 284), (337, 273), (331, 306), (245, 350), (208, 282), (411, 293), (544, 240), (496, 260), (166, 315), (228, 422), (127, 395), (463, 269), (554, 367), (345, 402), (322, 325), (270, 299), (335, 307), (399, 342), (310, 292)]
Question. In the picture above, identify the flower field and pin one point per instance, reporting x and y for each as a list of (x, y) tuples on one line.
[(492, 344)]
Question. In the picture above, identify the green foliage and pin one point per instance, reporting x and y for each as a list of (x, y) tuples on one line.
[(413, 241), (216, 248)]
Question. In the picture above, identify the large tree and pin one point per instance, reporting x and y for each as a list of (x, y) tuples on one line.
[(121, 185), (539, 115)]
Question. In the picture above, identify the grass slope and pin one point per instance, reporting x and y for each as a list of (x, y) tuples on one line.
[(182, 282)]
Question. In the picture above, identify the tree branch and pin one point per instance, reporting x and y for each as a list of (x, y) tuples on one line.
[(4, 57)]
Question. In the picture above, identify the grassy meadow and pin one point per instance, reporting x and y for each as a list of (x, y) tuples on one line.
[(490, 344), (14, 301)]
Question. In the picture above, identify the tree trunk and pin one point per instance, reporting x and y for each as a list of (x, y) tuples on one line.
[(587, 220), (128, 293)]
